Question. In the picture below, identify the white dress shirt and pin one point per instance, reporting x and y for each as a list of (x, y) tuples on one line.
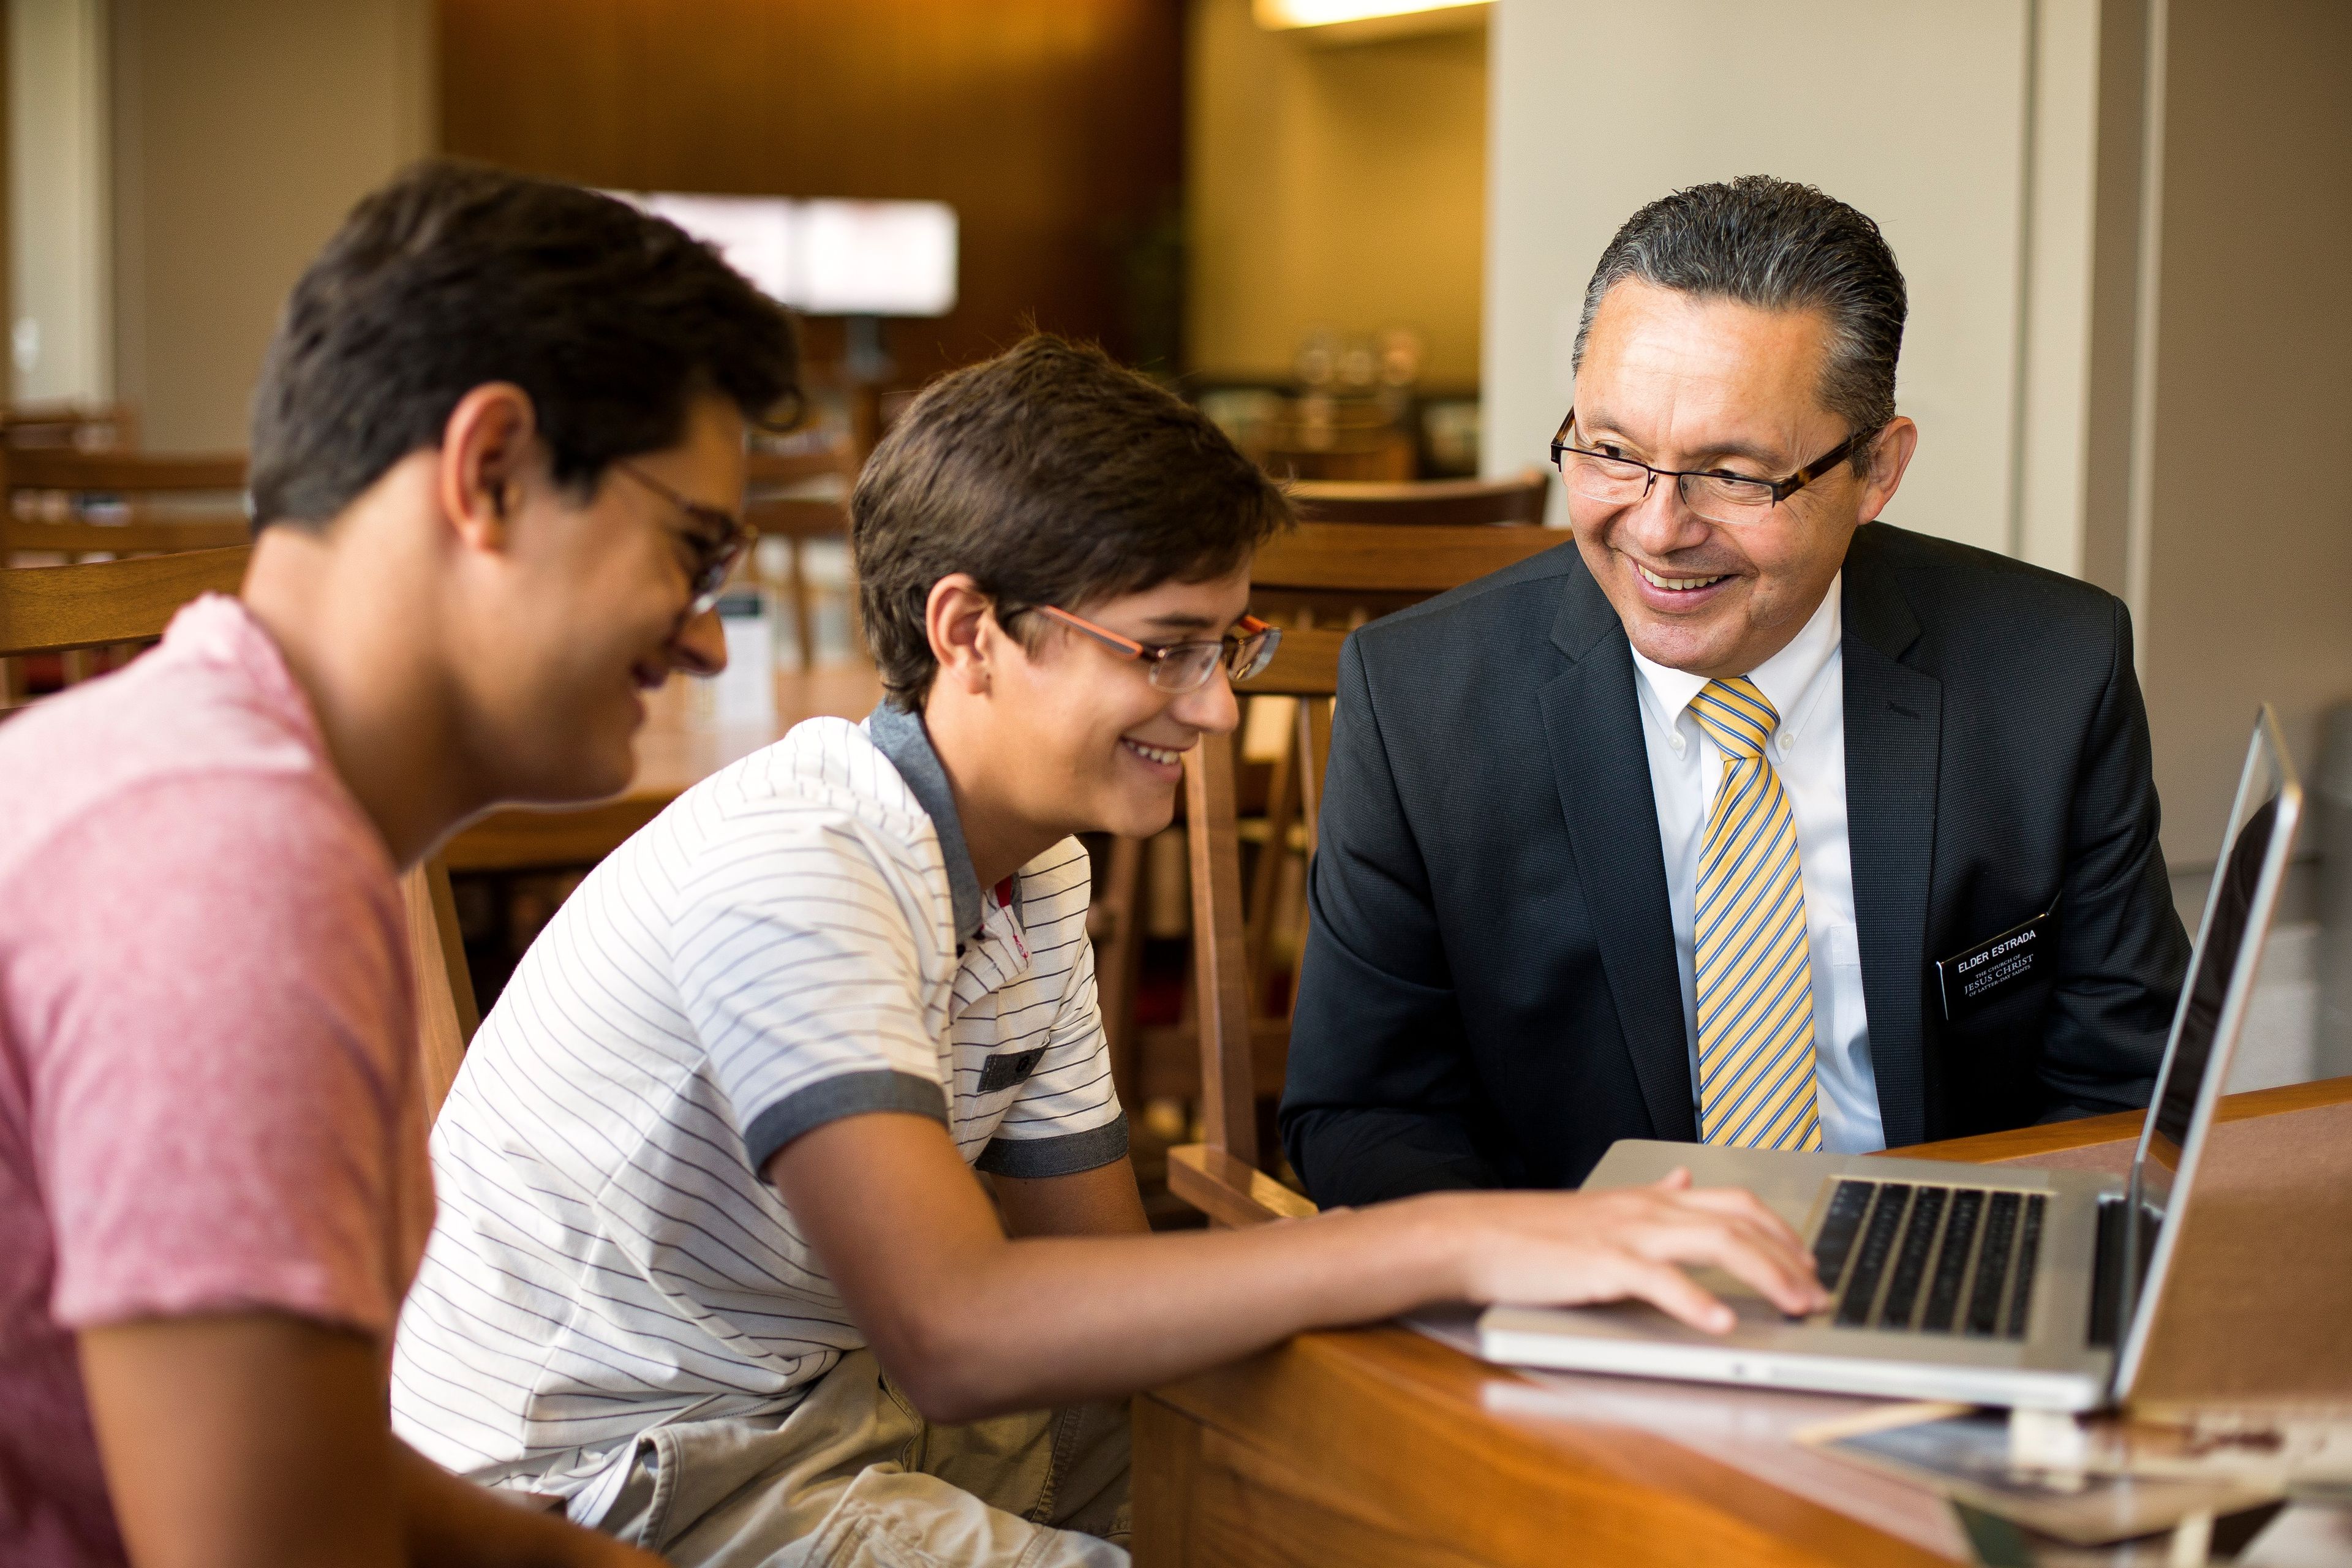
[(1805, 683)]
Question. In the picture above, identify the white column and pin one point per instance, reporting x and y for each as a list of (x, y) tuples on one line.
[(60, 242)]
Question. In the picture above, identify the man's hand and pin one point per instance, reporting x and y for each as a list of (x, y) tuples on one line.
[(1574, 1248), (257, 1439)]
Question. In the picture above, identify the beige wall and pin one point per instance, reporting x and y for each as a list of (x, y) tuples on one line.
[(1338, 185), (243, 130), (1949, 123), (2244, 547)]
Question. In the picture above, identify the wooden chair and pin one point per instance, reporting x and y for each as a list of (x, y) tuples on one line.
[(1144, 1060), (84, 427), (60, 609), (72, 609), (447, 1014), (69, 502), (142, 474), (797, 519), (1156, 1062), (1324, 438), (1429, 503), (1241, 1060)]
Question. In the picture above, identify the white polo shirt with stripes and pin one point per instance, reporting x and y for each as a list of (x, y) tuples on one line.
[(797, 939)]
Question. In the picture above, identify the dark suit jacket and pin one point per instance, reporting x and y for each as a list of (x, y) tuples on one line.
[(1489, 995)]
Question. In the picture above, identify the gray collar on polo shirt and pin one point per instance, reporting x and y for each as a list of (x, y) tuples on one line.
[(899, 735)]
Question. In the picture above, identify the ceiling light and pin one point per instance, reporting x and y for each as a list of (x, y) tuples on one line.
[(1368, 18)]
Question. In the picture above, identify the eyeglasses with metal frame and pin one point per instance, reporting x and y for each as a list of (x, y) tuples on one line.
[(713, 547), (1182, 667), (1712, 493)]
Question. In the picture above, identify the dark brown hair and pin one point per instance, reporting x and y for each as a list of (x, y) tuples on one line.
[(1054, 477), (456, 275)]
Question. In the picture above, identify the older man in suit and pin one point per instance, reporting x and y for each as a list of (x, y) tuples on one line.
[(1664, 832)]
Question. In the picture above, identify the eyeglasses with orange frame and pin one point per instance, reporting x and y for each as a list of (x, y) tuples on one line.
[(1184, 666)]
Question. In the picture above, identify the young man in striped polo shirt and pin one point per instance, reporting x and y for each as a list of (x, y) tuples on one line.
[(711, 1264)]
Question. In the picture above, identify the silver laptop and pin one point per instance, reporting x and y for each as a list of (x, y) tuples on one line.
[(1964, 1282)]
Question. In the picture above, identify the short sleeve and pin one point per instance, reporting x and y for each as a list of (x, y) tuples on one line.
[(798, 966), (215, 1011), (1066, 1118)]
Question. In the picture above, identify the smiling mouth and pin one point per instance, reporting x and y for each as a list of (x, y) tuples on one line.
[(1161, 754), (1676, 584)]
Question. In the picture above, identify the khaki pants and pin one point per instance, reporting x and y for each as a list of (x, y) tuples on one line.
[(853, 1478)]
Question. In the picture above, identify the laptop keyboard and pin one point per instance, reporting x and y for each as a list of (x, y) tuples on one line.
[(1930, 1259)]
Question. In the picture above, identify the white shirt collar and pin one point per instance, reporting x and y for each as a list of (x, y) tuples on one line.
[(1790, 679)]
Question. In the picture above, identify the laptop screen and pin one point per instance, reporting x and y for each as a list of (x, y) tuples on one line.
[(2222, 939), (2225, 934), (2205, 1023)]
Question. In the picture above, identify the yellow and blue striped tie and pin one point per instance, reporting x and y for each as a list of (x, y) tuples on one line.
[(1755, 975)]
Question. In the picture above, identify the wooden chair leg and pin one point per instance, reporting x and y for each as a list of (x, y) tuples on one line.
[(1228, 1090), (1117, 972), (804, 623), (1313, 740), (1314, 748), (1281, 808), (447, 1016)]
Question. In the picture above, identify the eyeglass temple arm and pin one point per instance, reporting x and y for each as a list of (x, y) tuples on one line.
[(1126, 646), (1559, 436), (1783, 488)]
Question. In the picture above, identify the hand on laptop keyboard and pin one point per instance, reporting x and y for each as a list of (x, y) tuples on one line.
[(1576, 1248)]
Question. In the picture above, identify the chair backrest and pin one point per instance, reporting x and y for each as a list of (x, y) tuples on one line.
[(63, 609), (802, 512), (1340, 439), (768, 469), (123, 473), (1220, 1176), (1436, 502), (447, 1014), (21, 536), (87, 427), (62, 501), (106, 607)]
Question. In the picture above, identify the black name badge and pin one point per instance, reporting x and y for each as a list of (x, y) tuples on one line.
[(1979, 977)]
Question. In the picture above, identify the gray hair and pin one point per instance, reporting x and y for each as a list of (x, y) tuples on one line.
[(1777, 246)]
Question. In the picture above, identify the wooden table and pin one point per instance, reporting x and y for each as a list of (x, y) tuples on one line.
[(681, 744), (1382, 1446)]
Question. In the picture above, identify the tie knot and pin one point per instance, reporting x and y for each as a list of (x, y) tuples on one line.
[(1736, 716)]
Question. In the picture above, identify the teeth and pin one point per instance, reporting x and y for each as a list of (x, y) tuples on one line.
[(1156, 753), (1681, 583)]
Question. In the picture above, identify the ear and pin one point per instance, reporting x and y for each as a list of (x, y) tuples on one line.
[(485, 445), (961, 624), (1888, 460)]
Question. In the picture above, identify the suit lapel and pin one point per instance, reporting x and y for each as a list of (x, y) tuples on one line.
[(1592, 725), (1893, 725)]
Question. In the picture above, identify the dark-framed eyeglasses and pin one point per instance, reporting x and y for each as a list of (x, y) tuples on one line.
[(1718, 496), (712, 545), (1184, 666)]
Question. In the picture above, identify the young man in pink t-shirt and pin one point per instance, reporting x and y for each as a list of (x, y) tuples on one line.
[(498, 451)]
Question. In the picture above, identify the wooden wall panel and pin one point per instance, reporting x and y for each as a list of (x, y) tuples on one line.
[(1053, 127)]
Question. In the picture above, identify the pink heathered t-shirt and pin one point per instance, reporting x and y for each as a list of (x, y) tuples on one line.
[(209, 1090)]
